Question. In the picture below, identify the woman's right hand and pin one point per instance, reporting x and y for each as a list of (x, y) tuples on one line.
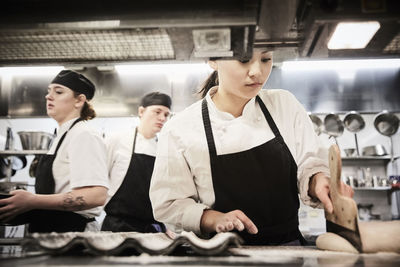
[(215, 221)]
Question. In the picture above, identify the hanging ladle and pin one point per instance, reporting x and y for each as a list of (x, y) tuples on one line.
[(333, 126), (354, 123), (387, 124)]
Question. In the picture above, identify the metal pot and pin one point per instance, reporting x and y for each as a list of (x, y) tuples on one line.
[(317, 123), (386, 123), (35, 140), (333, 125), (354, 123), (376, 150)]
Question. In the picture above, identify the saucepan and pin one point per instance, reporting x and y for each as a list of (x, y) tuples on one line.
[(354, 123), (333, 126), (317, 123), (387, 123)]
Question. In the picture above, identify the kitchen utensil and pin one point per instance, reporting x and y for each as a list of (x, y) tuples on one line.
[(16, 162), (376, 150), (387, 124), (343, 221), (333, 126), (349, 151), (354, 123), (317, 123), (35, 140)]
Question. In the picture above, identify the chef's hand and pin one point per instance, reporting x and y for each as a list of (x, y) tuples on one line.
[(19, 202), (319, 187), (215, 221)]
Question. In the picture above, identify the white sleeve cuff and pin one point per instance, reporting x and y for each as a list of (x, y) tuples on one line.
[(192, 217)]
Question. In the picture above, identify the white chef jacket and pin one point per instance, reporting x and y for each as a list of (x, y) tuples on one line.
[(81, 161), (181, 186), (119, 154)]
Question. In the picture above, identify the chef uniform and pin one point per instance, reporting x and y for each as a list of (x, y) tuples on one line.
[(256, 163), (77, 158), (132, 158)]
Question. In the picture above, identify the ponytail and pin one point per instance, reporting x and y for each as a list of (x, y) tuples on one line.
[(211, 81), (87, 112)]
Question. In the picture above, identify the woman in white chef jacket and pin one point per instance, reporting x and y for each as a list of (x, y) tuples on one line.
[(238, 159), (131, 156), (71, 180)]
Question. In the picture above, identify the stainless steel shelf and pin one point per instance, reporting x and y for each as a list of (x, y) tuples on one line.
[(22, 152), (380, 188), (384, 158)]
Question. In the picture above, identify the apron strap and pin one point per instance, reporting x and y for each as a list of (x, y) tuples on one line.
[(63, 136), (208, 130), (268, 116)]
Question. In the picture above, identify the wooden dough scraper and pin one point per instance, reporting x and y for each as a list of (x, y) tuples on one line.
[(343, 221)]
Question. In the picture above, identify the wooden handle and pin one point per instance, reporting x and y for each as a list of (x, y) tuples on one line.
[(335, 166), (345, 211)]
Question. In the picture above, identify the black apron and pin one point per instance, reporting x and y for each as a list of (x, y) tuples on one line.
[(261, 182), (130, 210), (44, 221)]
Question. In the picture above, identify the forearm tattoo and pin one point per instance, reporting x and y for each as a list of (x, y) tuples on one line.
[(71, 202)]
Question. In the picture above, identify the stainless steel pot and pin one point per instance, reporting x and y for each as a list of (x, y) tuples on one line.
[(386, 123), (35, 140), (317, 123), (376, 150), (333, 126), (354, 123)]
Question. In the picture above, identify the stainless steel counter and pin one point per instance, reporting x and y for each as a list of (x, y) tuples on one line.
[(243, 256)]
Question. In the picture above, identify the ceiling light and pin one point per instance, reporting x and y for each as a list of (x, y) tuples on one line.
[(353, 35)]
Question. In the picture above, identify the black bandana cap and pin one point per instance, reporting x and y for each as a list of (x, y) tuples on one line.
[(156, 98), (76, 82)]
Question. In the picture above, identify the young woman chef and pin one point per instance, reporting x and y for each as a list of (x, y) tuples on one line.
[(131, 156), (71, 180), (238, 159)]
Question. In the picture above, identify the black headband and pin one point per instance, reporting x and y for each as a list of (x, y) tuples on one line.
[(156, 98), (76, 82)]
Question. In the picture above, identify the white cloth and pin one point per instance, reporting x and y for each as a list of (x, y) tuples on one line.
[(119, 153), (81, 161), (181, 186)]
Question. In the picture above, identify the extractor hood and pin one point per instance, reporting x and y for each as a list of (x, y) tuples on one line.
[(96, 32), (106, 32)]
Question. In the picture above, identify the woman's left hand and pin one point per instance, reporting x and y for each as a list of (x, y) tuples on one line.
[(19, 202), (320, 187)]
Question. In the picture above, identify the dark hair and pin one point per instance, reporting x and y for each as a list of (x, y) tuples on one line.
[(211, 81), (87, 112)]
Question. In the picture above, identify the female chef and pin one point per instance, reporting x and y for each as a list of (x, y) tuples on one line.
[(237, 160), (131, 156), (71, 180)]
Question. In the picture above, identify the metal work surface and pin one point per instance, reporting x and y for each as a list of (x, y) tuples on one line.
[(243, 256)]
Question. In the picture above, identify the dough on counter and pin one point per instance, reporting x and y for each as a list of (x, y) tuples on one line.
[(379, 236), (334, 242), (376, 236)]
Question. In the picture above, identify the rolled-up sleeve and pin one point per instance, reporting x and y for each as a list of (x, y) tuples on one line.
[(173, 192), (311, 155)]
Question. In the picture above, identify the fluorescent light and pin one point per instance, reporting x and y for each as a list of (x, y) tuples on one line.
[(46, 70), (308, 65), (353, 35)]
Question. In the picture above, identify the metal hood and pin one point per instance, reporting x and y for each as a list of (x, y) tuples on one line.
[(102, 32)]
